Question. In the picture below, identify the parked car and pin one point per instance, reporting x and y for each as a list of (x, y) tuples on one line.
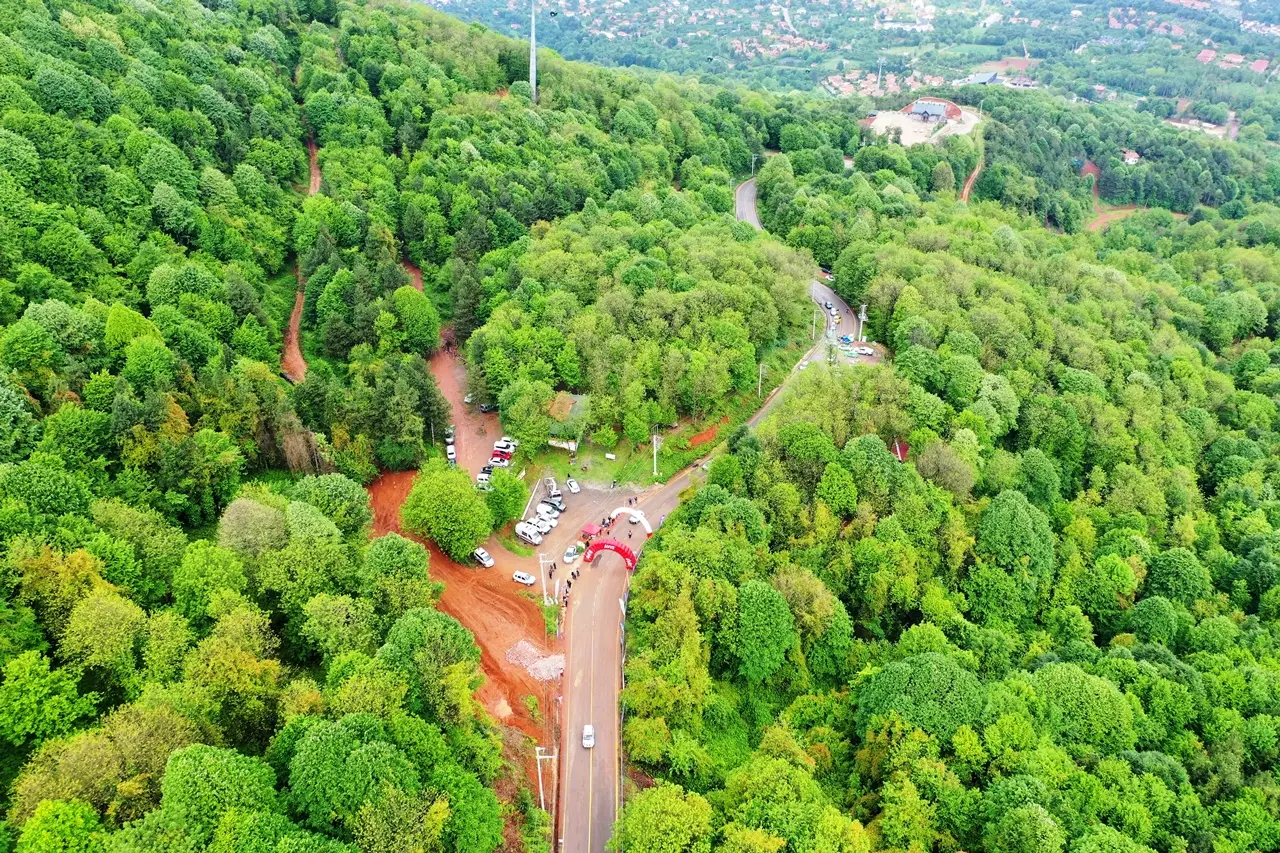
[(865, 351), (549, 483), (556, 501), (635, 517), (469, 399), (540, 524), (450, 431), (499, 462), (572, 553), (528, 533), (451, 453), (482, 557), (502, 453), (544, 508), (804, 364), (588, 736), (486, 408), (572, 485), (828, 305), (524, 578), (506, 439), (488, 469), (482, 478)]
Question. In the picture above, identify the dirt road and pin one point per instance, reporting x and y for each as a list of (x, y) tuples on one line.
[(415, 275), (969, 181), (292, 364), (476, 433), (488, 603)]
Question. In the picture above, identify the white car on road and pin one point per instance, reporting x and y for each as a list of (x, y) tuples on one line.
[(524, 578), (636, 516), (482, 557), (588, 736), (572, 553), (451, 453), (572, 485)]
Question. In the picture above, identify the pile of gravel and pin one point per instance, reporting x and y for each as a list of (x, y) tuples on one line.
[(548, 668), (542, 668)]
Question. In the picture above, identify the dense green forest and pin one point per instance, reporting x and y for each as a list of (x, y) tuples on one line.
[(1052, 628)]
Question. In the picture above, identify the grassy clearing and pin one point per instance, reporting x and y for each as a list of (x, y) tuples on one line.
[(509, 541)]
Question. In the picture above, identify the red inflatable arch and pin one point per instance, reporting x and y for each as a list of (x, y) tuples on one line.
[(628, 556)]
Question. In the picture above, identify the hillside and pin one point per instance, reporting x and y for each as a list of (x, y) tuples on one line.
[(256, 261)]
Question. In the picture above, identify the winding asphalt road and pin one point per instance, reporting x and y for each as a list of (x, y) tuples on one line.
[(591, 779)]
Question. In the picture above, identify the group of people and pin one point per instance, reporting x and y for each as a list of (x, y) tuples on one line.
[(573, 575)]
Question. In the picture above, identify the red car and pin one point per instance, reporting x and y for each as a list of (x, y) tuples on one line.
[(502, 454)]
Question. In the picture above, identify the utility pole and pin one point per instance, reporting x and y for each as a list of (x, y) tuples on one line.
[(753, 165), (533, 48), (878, 73), (655, 454), (538, 753), (813, 333), (760, 380), (543, 562), (862, 324)]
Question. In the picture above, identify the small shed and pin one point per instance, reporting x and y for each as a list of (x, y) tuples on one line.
[(589, 530)]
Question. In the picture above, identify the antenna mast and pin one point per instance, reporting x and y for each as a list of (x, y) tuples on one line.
[(533, 48)]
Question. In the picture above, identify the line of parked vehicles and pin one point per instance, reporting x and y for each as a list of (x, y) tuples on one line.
[(546, 513)]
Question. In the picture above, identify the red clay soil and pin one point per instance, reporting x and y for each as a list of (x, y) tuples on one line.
[(1091, 168), (481, 599), (708, 434), (1106, 218), (292, 364), (1009, 63), (415, 274), (315, 167), (475, 432), (969, 181)]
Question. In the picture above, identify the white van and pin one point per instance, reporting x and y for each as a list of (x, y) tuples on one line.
[(528, 533)]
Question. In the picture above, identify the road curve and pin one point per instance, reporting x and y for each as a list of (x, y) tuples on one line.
[(591, 779), (745, 203)]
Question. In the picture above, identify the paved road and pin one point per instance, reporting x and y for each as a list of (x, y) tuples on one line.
[(745, 203), (591, 779)]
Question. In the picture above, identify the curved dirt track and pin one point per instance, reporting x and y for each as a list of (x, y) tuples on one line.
[(292, 364), (969, 181)]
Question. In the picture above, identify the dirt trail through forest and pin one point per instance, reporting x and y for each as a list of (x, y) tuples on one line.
[(292, 364), (415, 274), (973, 177)]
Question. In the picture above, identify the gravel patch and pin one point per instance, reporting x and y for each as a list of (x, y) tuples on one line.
[(541, 667)]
